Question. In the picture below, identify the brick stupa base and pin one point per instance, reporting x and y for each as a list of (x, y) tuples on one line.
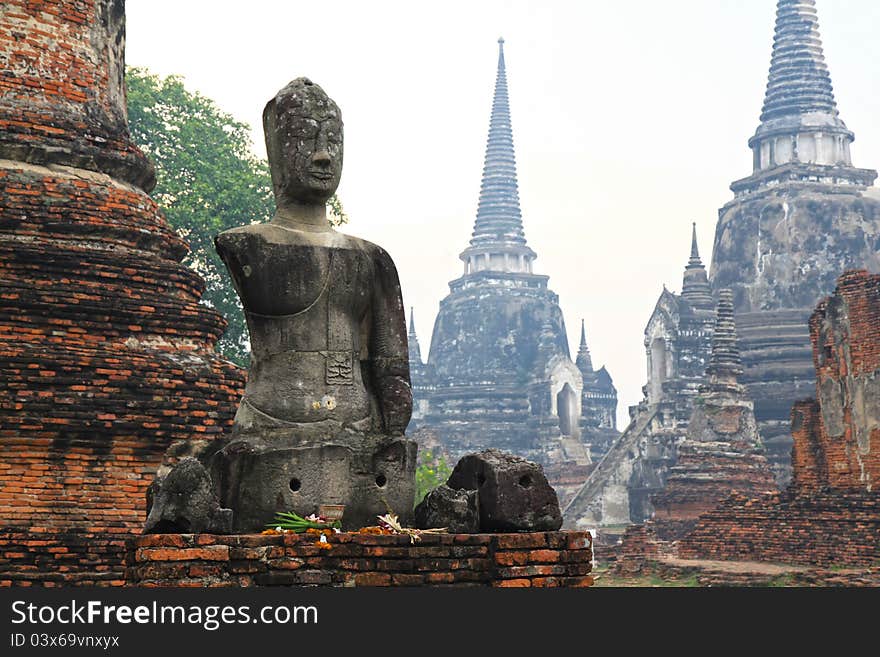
[(824, 528), (544, 559)]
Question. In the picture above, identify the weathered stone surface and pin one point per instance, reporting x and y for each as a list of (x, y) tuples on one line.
[(184, 501), (368, 473), (513, 493), (830, 528), (63, 101), (456, 510), (106, 354), (804, 237), (803, 216), (606, 498), (328, 392)]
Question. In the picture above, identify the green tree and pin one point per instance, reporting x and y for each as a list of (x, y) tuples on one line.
[(431, 471), (208, 180)]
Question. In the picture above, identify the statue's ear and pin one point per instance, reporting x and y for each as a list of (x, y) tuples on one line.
[(269, 117), (272, 152)]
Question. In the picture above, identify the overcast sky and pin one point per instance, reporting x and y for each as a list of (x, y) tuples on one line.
[(630, 121)]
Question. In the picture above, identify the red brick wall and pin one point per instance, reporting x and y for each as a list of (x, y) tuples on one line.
[(106, 355), (552, 559), (638, 546), (845, 332), (809, 468), (704, 475), (833, 528), (61, 92)]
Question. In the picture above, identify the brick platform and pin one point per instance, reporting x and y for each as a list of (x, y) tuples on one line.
[(552, 559)]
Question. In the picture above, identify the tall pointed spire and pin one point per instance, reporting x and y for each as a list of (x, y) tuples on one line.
[(584, 360), (799, 79), (498, 242), (725, 364), (695, 251), (801, 134), (695, 286), (415, 352)]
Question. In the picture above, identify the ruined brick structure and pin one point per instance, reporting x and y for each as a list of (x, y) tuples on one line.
[(499, 373), (106, 356), (804, 216), (830, 514), (837, 436), (722, 451)]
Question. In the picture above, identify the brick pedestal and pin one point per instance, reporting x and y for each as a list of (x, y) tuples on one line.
[(551, 559)]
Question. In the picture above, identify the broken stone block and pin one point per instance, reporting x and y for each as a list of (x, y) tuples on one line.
[(513, 493), (456, 510), (183, 501)]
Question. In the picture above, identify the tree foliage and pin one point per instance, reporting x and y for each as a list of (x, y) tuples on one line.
[(208, 180), (431, 472)]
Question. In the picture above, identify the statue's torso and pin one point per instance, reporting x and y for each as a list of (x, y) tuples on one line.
[(307, 302)]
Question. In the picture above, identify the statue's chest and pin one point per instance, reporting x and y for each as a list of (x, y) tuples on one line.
[(291, 279)]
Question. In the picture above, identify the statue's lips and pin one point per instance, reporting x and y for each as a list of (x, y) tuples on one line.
[(321, 175)]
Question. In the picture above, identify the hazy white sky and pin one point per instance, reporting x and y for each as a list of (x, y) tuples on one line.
[(630, 120)]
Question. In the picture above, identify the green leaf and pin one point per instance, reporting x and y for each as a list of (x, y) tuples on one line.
[(430, 473)]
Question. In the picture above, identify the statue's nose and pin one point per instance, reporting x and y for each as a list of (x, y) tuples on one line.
[(321, 158)]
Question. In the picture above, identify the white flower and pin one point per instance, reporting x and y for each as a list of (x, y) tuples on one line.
[(323, 538)]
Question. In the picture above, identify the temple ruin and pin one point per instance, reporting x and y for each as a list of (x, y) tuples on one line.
[(830, 514), (722, 450), (678, 344), (108, 363), (802, 217), (499, 373)]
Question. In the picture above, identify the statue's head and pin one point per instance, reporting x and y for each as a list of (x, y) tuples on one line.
[(303, 129)]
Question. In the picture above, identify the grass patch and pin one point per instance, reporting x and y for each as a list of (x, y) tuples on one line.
[(606, 579), (781, 581)]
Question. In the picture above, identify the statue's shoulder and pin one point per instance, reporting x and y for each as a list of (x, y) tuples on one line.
[(381, 261), (233, 238), (373, 251), (250, 230)]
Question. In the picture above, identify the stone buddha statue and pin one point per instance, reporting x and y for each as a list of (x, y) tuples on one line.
[(324, 311), (328, 392)]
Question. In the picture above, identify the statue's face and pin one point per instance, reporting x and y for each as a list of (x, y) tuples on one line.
[(304, 139)]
